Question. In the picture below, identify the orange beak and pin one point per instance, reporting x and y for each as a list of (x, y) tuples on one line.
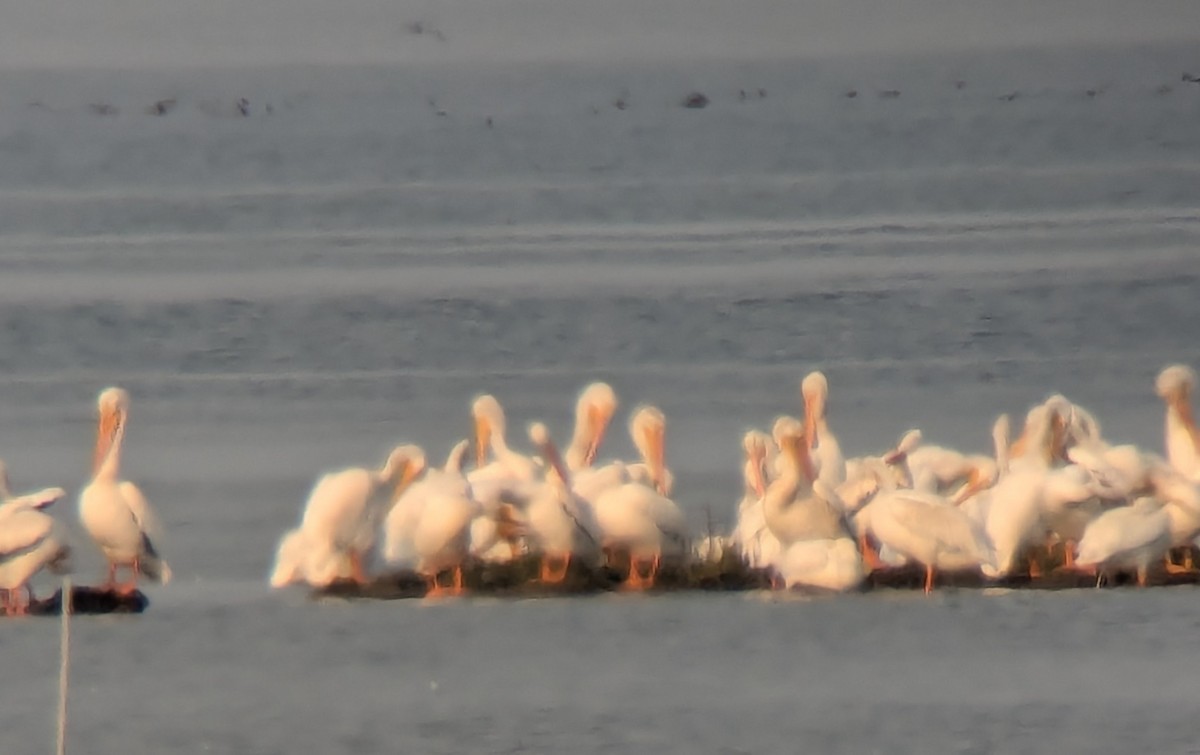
[(598, 421), (483, 440), (410, 473), (757, 478), (110, 420), (1183, 406), (657, 455), (975, 483), (810, 423)]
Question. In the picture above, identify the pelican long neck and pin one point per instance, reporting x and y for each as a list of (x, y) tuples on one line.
[(1182, 435), (782, 490), (580, 448), (1000, 442), (108, 467)]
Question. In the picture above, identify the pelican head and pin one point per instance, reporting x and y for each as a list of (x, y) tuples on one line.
[(489, 422), (540, 437), (112, 406), (404, 464), (596, 406), (648, 427), (815, 391), (754, 443), (299, 559), (1175, 383)]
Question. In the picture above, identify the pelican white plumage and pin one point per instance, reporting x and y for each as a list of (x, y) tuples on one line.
[(1130, 537), (795, 507), (757, 544), (593, 412), (343, 513), (637, 518), (823, 446), (1175, 385), (510, 475), (562, 525), (925, 528), (400, 523), (945, 471), (30, 540), (834, 565), (114, 512), (648, 428)]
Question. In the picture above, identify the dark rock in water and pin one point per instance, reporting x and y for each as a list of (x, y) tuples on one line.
[(851, 94), (91, 600), (889, 94), (695, 101), (1009, 97)]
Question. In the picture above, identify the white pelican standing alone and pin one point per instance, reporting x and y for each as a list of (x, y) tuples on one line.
[(113, 511)]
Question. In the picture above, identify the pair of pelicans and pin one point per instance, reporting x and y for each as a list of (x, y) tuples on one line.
[(823, 521), (562, 507), (114, 512)]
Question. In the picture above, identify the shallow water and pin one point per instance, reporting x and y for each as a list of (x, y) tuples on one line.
[(296, 290)]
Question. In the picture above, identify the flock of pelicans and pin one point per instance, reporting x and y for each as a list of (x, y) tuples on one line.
[(809, 516)]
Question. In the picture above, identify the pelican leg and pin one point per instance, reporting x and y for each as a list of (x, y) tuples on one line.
[(551, 576), (357, 573), (18, 608), (459, 589), (434, 589), (1068, 554), (130, 587), (635, 580), (1142, 574), (928, 579), (1035, 569), (110, 582), (652, 577), (869, 553)]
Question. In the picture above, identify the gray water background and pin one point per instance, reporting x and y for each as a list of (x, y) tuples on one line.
[(302, 287)]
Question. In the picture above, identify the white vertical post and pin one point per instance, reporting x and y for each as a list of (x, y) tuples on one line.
[(64, 666)]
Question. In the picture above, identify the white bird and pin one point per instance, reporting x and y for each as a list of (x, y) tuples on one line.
[(827, 564), (795, 507), (593, 412), (756, 543), (1174, 386), (823, 447), (114, 512), (344, 509), (562, 525), (927, 529), (400, 523), (648, 428), (510, 475), (1128, 537), (303, 559), (30, 540), (936, 469), (651, 527)]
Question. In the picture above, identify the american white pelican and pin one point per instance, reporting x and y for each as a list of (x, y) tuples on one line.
[(30, 540), (648, 428), (649, 525), (927, 529), (562, 525), (400, 523), (944, 471), (593, 411), (827, 564), (114, 511), (1130, 537), (1174, 386), (795, 507), (754, 541), (510, 475), (345, 507), (303, 559), (823, 447), (442, 539)]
